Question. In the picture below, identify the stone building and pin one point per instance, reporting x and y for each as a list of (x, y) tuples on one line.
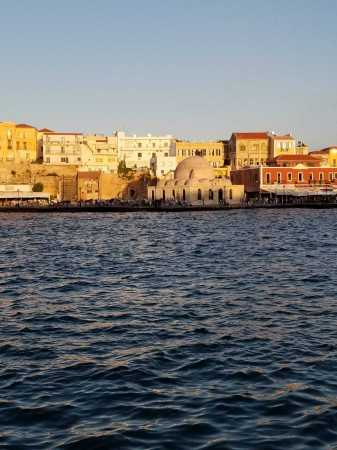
[(62, 148), (155, 153), (281, 145), (18, 142), (99, 152), (194, 183), (327, 156), (249, 149), (212, 151)]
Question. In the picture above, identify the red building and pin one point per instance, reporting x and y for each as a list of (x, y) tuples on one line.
[(282, 180)]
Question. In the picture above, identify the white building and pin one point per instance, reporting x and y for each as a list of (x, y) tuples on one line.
[(89, 152), (62, 148), (157, 153), (99, 153)]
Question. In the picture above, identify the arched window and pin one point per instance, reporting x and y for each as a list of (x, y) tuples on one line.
[(184, 195), (199, 194), (230, 194), (210, 194), (152, 195), (220, 195), (164, 194), (174, 193)]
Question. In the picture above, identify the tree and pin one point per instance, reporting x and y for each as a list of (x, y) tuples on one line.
[(38, 187), (122, 170)]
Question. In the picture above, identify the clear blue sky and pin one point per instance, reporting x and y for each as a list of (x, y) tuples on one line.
[(192, 68)]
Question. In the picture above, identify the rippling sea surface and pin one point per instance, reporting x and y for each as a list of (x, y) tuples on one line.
[(149, 331)]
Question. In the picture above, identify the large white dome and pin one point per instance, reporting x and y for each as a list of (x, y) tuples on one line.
[(194, 167)]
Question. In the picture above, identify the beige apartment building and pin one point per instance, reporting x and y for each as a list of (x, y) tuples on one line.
[(212, 151), (99, 153), (88, 152)]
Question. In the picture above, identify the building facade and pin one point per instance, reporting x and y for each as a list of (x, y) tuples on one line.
[(249, 149), (156, 153), (62, 148), (212, 151), (327, 156), (18, 142), (281, 145), (194, 183), (99, 153), (298, 180)]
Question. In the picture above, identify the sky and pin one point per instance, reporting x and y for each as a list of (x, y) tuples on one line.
[(196, 69)]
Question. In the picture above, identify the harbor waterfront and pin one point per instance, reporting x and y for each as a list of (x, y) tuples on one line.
[(199, 330)]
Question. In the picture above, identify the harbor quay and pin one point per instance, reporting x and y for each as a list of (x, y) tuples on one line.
[(44, 169)]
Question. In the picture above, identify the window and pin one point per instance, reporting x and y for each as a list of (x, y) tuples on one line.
[(199, 194), (321, 177), (139, 155), (279, 177), (152, 195), (174, 193), (290, 177), (184, 195), (335, 175), (330, 176), (230, 194), (153, 144), (183, 153), (163, 194), (251, 162), (300, 176), (311, 177), (48, 160), (268, 178), (210, 194), (139, 144), (242, 148), (165, 154), (334, 163)]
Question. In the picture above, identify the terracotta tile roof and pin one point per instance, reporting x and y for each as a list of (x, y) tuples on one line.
[(24, 125), (324, 151), (46, 130), (252, 135), (61, 134), (281, 137)]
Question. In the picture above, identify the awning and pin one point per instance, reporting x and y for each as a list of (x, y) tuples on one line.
[(17, 195), (298, 192)]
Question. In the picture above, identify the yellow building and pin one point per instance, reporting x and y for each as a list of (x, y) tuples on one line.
[(281, 145), (327, 156), (249, 149), (212, 151), (18, 143)]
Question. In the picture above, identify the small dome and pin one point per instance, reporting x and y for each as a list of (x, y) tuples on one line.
[(194, 167)]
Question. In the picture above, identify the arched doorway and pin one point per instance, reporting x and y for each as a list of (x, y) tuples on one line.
[(220, 196), (184, 195), (199, 194)]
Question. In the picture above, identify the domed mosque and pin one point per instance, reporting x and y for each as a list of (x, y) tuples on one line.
[(194, 183)]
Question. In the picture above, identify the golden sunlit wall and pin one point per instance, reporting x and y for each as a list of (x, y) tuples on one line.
[(18, 143), (212, 151)]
